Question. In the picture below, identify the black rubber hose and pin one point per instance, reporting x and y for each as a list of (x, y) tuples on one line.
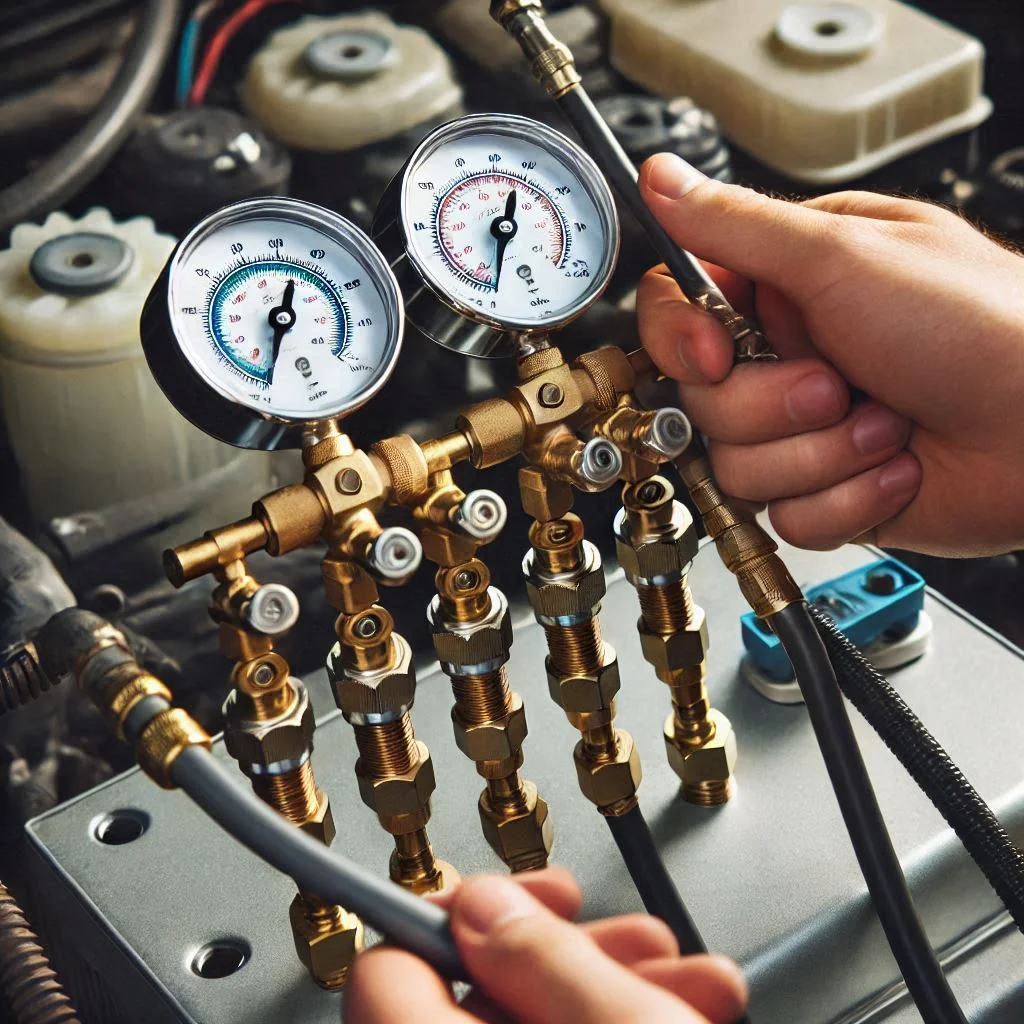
[(79, 160), (613, 160), (406, 920), (657, 891), (929, 766), (878, 861)]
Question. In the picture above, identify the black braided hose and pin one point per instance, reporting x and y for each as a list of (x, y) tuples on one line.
[(929, 765), (28, 982)]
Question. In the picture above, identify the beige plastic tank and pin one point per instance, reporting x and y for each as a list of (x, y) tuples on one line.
[(332, 84), (88, 425), (823, 91)]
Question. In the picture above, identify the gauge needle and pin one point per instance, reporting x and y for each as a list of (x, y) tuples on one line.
[(504, 229), (281, 319)]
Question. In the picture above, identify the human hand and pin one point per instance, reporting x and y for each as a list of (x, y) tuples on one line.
[(530, 964), (900, 300)]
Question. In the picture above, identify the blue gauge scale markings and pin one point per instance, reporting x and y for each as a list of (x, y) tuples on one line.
[(321, 313), (480, 195)]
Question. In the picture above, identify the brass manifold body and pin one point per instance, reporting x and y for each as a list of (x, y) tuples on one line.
[(268, 729), (344, 489)]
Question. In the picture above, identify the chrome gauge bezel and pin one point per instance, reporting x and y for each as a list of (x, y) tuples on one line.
[(430, 305), (196, 392)]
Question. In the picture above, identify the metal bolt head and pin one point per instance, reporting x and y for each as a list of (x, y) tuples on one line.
[(263, 676), (396, 553), (368, 626), (600, 462), (272, 610), (348, 481), (467, 579), (669, 433), (482, 514), (550, 396)]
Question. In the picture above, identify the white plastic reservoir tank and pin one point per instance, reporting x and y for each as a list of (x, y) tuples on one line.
[(824, 91), (88, 425)]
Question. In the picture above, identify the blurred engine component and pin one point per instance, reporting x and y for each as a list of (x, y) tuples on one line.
[(86, 421), (180, 166), (645, 125), (822, 92)]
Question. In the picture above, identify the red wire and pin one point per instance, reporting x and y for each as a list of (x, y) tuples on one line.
[(219, 43)]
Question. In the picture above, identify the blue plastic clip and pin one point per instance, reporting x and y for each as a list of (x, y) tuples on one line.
[(883, 598)]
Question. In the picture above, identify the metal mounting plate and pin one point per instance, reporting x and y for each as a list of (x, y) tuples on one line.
[(770, 877)]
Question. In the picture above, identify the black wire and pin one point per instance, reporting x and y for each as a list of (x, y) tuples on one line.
[(657, 891), (878, 861), (406, 920), (929, 765), (80, 159)]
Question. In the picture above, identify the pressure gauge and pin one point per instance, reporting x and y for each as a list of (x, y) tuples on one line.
[(271, 315), (497, 226)]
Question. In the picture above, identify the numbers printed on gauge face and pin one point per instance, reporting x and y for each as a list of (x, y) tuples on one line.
[(282, 316), (506, 227)]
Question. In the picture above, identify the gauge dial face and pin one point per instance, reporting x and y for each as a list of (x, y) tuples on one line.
[(509, 222), (286, 309)]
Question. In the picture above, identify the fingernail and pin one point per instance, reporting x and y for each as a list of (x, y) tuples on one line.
[(814, 399), (487, 903), (686, 367), (900, 476), (878, 428), (671, 177)]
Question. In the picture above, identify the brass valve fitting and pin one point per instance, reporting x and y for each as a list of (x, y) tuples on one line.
[(472, 636), (373, 693), (565, 584), (327, 940), (259, 744), (656, 541)]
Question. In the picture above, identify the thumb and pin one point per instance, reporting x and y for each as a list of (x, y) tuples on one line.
[(538, 967), (794, 248)]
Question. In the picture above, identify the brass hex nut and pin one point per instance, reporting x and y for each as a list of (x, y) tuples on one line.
[(288, 737), (608, 782), (393, 796), (522, 841), (542, 498), (474, 643), (677, 650), (577, 594), (376, 692), (321, 825), (347, 586), (666, 554), (492, 741), (713, 762), (326, 943), (588, 692)]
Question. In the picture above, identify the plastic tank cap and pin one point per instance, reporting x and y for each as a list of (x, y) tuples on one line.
[(829, 29), (351, 55), (83, 263)]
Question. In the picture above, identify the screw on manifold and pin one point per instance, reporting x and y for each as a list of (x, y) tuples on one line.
[(550, 396)]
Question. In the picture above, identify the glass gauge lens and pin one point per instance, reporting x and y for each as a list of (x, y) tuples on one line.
[(509, 222), (285, 309)]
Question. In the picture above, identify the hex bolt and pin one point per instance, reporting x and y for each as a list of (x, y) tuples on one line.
[(272, 610), (600, 462), (550, 396), (482, 514), (396, 553), (881, 582), (348, 481), (669, 433)]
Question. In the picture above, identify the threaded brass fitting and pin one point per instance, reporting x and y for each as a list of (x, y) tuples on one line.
[(327, 939), (700, 742)]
